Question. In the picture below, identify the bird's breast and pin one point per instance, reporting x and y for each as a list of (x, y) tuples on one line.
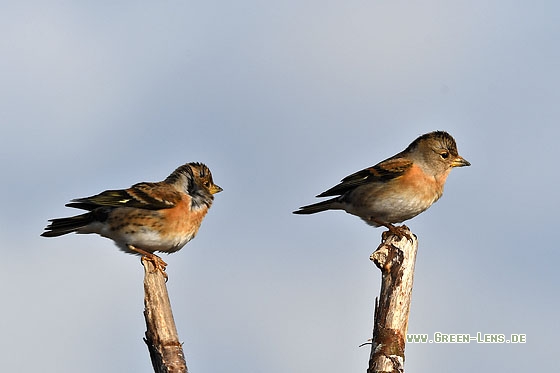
[(165, 230), (395, 201)]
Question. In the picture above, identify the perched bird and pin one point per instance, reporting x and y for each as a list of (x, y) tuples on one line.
[(146, 217), (398, 188)]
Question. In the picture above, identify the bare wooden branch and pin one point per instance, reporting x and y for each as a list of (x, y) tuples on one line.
[(166, 352), (395, 257)]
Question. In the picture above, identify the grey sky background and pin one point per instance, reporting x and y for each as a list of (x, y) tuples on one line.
[(281, 100)]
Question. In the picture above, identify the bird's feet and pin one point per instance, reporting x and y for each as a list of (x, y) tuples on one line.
[(158, 263), (399, 230)]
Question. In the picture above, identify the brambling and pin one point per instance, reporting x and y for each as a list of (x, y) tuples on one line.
[(146, 217), (398, 188)]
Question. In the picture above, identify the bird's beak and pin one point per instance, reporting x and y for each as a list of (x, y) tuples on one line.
[(215, 189), (460, 162)]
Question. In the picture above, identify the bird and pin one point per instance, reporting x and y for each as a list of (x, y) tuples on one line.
[(398, 188), (148, 217)]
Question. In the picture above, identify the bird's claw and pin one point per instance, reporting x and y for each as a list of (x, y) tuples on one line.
[(399, 231), (158, 263)]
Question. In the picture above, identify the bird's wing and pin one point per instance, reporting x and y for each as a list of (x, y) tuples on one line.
[(382, 172), (150, 196)]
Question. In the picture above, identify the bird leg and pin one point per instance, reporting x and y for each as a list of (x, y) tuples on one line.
[(399, 230), (156, 260)]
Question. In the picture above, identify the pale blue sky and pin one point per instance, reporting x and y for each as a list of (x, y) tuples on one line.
[(280, 100)]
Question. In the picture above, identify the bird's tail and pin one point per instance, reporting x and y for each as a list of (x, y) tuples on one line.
[(59, 227), (331, 204)]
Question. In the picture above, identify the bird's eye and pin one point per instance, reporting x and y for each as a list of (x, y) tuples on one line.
[(444, 155), (207, 184)]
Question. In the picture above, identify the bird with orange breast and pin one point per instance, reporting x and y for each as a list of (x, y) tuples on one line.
[(398, 188), (147, 217)]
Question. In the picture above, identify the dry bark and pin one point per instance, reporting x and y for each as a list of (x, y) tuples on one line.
[(395, 257), (166, 352)]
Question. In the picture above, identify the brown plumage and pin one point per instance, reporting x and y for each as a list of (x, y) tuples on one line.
[(146, 217), (398, 188)]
